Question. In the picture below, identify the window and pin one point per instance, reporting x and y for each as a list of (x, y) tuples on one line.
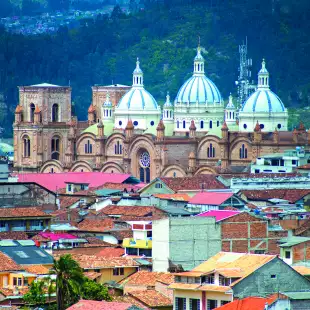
[(194, 304), (55, 113), (118, 271), (152, 123), (178, 124), (32, 108), (158, 185), (14, 281), (135, 123), (26, 142), (210, 124), (88, 147), (245, 126), (180, 303), (118, 148), (184, 124), (40, 253), (211, 304), (19, 282), (55, 147), (279, 126), (201, 124), (287, 254), (224, 281), (82, 187), (211, 151), (243, 152), (273, 276), (120, 123), (21, 254), (144, 170), (69, 187), (262, 126), (218, 123), (26, 282), (208, 279), (149, 234), (224, 302), (174, 174), (259, 252)]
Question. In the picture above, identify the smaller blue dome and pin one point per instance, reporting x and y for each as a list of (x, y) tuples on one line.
[(137, 99), (263, 100)]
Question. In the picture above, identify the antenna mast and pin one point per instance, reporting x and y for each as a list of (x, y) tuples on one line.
[(244, 86)]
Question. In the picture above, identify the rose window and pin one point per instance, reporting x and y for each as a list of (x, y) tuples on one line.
[(145, 160)]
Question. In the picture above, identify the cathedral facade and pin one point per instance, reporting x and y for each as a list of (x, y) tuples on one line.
[(128, 132)]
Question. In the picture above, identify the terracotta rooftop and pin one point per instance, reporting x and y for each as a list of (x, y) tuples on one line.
[(207, 181), (149, 278), (249, 303), (111, 252), (93, 261), (306, 167), (99, 305), (291, 195), (120, 186), (122, 234), (68, 201), (91, 275), (98, 225), (8, 264), (36, 269), (10, 292), (303, 228), (13, 235), (130, 210), (175, 197), (152, 298), (22, 212), (305, 271)]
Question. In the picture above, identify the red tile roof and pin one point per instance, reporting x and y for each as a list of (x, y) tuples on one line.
[(303, 228), (99, 305), (149, 278), (120, 186), (249, 303), (219, 214), (36, 269), (55, 181), (208, 181), (291, 195), (68, 201), (152, 298), (92, 275), (94, 261), (111, 252), (22, 212), (130, 210), (8, 264), (13, 235), (98, 225), (210, 198)]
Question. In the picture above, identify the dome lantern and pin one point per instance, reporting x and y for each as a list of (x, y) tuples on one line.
[(263, 77), (199, 63), (137, 80)]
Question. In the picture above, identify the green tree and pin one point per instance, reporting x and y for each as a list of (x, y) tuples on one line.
[(69, 281), (95, 291), (36, 294)]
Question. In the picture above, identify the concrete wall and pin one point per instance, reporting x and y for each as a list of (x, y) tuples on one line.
[(260, 282), (185, 241)]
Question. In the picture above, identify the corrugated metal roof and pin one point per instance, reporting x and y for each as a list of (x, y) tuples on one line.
[(210, 198), (107, 192), (26, 242)]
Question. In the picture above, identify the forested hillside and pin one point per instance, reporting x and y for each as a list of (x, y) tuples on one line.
[(164, 35)]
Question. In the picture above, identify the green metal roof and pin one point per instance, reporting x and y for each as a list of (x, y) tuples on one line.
[(297, 295), (7, 243), (26, 242), (107, 192), (294, 240)]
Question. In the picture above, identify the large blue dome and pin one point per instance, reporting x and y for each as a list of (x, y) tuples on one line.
[(199, 89), (263, 100)]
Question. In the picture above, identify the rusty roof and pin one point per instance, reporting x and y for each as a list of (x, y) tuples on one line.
[(149, 278), (8, 264), (152, 298), (21, 212)]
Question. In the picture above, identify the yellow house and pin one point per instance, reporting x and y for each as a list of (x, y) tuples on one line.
[(13, 275), (105, 270)]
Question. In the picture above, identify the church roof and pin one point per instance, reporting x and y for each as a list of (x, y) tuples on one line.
[(45, 85)]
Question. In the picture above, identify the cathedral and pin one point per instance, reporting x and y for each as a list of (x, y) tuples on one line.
[(129, 132)]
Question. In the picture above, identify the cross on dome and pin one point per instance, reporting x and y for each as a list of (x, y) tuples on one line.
[(199, 62)]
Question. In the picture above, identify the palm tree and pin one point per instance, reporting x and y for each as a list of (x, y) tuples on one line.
[(69, 280)]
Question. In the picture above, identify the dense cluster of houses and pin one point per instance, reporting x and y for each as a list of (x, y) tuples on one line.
[(201, 242)]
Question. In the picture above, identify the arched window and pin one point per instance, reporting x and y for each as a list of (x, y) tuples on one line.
[(178, 124), (170, 113), (218, 123), (32, 108), (262, 126), (55, 113), (55, 148), (211, 151), (144, 169), (26, 142), (201, 124), (279, 126), (243, 152), (210, 124), (184, 124), (88, 147), (230, 115), (174, 174), (118, 148)]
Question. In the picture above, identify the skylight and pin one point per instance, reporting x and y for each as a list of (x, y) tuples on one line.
[(21, 254)]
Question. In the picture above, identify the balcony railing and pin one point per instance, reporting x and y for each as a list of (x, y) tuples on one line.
[(136, 243)]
